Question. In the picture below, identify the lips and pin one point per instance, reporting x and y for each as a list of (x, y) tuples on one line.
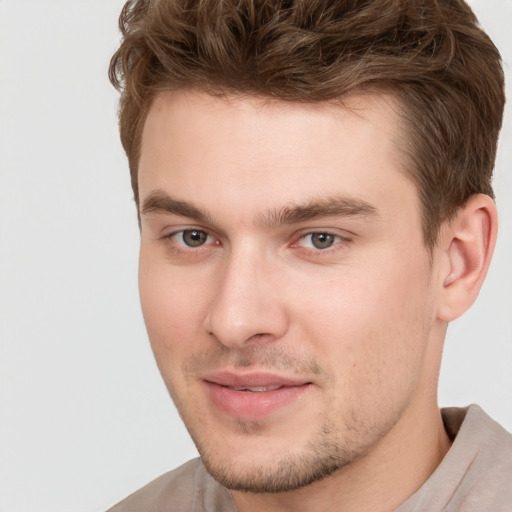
[(253, 396), (254, 389)]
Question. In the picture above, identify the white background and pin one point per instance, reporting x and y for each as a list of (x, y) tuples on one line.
[(85, 418)]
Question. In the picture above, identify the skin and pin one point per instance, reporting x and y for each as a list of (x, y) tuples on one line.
[(362, 321)]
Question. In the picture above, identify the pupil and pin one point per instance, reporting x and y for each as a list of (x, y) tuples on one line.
[(194, 238), (322, 240)]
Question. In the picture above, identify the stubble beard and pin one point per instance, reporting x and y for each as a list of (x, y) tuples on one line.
[(324, 455), (332, 447)]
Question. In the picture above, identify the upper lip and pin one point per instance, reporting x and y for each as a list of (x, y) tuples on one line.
[(252, 379)]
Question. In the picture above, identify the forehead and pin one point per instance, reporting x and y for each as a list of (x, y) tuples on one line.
[(254, 154)]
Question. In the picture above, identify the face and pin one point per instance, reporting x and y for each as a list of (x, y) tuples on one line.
[(284, 281)]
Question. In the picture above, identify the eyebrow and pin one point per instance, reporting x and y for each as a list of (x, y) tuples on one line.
[(329, 207), (160, 202)]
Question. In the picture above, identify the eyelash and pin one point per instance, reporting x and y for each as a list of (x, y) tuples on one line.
[(176, 246), (338, 239), (182, 247)]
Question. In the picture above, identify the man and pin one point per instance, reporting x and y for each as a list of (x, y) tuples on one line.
[(313, 186)]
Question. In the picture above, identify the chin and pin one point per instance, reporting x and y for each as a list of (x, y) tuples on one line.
[(248, 472)]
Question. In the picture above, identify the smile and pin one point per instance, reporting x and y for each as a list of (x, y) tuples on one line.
[(255, 389), (253, 396)]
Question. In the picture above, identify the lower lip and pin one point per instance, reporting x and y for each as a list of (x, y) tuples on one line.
[(253, 405)]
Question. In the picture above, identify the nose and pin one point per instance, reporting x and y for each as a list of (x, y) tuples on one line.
[(248, 306)]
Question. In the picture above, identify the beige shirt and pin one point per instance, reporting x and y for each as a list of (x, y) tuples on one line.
[(475, 476)]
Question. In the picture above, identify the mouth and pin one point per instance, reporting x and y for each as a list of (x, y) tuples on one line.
[(254, 389), (253, 396)]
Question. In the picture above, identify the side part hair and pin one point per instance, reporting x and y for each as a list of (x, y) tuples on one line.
[(431, 54)]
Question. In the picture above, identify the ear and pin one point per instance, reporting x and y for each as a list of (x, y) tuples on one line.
[(466, 244)]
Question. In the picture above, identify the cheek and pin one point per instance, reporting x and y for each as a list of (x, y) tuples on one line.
[(173, 303), (370, 328)]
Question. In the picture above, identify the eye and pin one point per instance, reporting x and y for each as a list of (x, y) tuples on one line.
[(319, 240), (191, 237)]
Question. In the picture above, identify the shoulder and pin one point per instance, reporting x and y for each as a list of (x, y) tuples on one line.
[(186, 488), (478, 434), (476, 473), (486, 484)]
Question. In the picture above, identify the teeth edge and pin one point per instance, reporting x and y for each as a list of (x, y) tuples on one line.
[(254, 389)]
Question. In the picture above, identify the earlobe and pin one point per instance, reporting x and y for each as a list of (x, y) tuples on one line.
[(468, 245)]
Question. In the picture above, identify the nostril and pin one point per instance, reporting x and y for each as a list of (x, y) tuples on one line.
[(257, 337)]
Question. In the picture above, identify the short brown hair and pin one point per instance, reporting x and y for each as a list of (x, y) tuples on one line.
[(431, 54)]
